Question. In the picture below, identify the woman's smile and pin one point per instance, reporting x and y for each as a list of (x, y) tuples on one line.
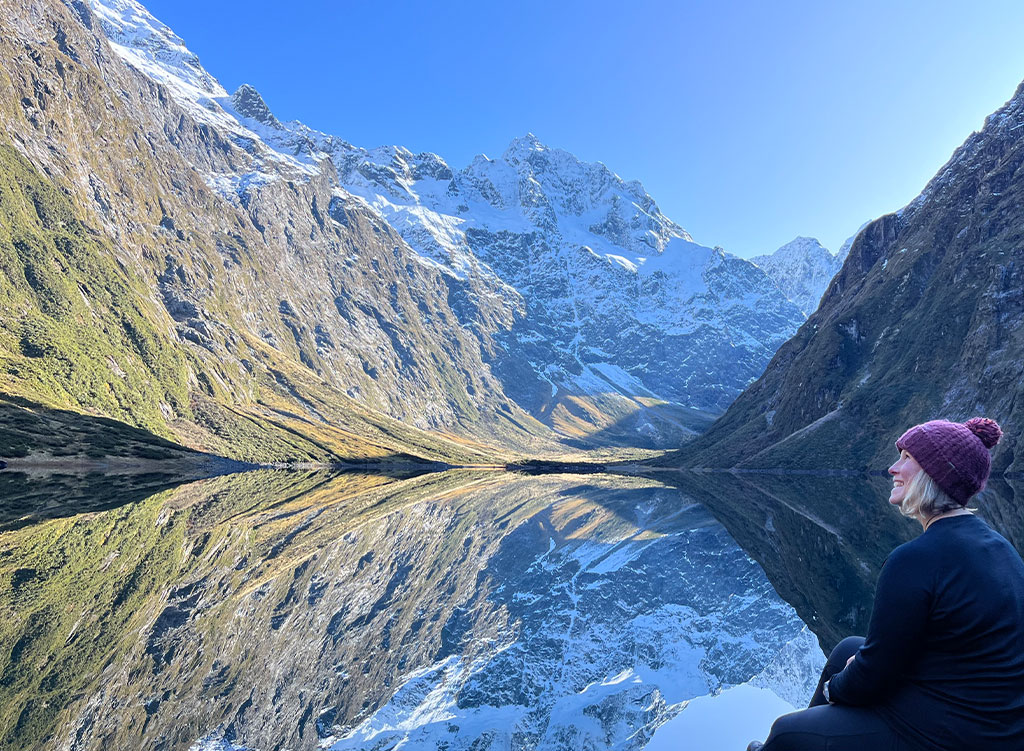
[(903, 471)]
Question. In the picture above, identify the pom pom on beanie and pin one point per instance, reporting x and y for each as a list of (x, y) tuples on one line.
[(955, 455), (987, 430)]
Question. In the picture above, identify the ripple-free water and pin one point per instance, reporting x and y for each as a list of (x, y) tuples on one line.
[(462, 610)]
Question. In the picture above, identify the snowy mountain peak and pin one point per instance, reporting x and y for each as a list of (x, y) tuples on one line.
[(523, 144), (801, 249), (153, 48), (528, 154), (802, 269), (619, 211), (249, 103)]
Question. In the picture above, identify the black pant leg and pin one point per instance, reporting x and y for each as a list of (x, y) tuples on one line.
[(833, 727), (844, 650)]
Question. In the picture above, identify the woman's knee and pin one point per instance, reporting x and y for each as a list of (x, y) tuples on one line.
[(844, 650), (788, 733), (787, 723)]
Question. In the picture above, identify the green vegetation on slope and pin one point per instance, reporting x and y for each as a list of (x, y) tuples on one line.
[(74, 330), (80, 335)]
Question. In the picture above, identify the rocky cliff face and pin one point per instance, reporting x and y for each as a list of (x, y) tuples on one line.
[(925, 319)]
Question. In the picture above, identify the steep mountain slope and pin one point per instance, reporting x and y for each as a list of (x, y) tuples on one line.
[(802, 269), (591, 307), (285, 325), (925, 319), (301, 285)]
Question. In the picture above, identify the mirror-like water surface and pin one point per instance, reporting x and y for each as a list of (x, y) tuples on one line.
[(459, 610)]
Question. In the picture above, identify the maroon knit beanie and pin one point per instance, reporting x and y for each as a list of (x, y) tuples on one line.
[(955, 455)]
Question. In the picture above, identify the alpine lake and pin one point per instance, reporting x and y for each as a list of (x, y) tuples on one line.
[(458, 610)]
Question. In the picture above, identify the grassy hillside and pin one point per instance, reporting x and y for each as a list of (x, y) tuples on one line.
[(79, 335), (74, 327)]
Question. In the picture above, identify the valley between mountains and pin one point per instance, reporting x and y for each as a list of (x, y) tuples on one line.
[(186, 276), (197, 275), (191, 286)]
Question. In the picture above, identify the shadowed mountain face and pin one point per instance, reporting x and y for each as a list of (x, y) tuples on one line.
[(823, 540), (925, 320), (277, 609)]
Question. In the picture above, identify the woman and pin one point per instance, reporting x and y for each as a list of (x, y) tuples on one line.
[(942, 667)]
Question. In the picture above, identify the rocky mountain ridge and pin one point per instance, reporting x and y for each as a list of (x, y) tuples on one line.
[(302, 298), (924, 320)]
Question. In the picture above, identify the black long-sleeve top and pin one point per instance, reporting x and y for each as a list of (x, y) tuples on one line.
[(943, 660)]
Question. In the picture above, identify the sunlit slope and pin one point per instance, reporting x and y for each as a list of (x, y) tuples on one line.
[(74, 328), (79, 334), (264, 331)]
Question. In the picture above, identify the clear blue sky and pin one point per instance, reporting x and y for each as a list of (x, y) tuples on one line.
[(748, 122)]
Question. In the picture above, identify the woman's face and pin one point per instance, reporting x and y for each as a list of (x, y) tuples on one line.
[(903, 471)]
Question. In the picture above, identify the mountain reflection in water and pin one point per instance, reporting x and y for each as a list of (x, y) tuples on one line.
[(823, 539), (278, 609)]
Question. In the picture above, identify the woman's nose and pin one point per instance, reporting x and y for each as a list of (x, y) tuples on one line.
[(892, 469)]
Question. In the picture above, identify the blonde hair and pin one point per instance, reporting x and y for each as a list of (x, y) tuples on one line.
[(924, 498)]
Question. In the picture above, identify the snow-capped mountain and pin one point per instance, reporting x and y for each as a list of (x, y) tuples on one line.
[(151, 47), (802, 269), (618, 297), (592, 308)]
